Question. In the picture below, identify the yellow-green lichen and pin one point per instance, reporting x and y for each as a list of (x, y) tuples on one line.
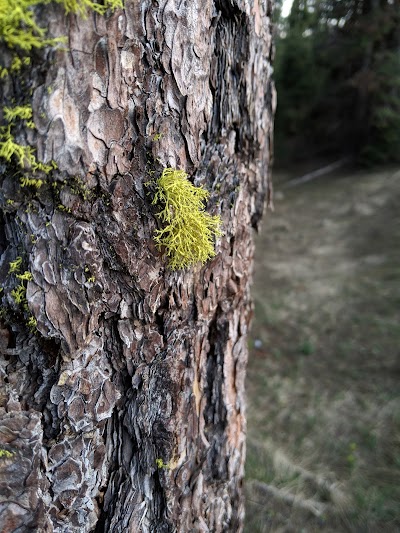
[(31, 182), (19, 294), (15, 266), (90, 278), (18, 62), (24, 155), (31, 323), (5, 454), (11, 150), (189, 231), (79, 188), (62, 207), (23, 112), (26, 276), (160, 464), (18, 27), (20, 31)]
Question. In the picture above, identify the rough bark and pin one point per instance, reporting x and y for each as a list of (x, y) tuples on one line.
[(125, 410)]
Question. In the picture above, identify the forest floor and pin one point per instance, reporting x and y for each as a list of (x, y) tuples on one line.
[(323, 447)]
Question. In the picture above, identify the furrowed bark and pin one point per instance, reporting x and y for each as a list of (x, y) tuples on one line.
[(125, 411)]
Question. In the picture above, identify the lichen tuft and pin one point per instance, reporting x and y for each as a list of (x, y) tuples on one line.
[(188, 235)]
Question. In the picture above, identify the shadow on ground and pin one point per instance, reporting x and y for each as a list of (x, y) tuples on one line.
[(323, 378)]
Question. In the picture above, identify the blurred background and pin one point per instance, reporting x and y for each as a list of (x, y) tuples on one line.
[(323, 448)]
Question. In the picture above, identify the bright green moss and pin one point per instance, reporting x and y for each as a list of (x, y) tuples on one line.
[(189, 231)]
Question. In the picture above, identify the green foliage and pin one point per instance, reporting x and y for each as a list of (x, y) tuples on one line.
[(384, 141), (189, 231), (338, 80)]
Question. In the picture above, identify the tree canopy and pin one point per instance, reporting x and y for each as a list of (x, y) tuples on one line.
[(338, 79)]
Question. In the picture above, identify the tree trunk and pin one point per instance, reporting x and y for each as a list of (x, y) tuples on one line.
[(123, 410)]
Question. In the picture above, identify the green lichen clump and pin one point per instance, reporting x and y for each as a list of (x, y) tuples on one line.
[(23, 112), (5, 454), (18, 294), (188, 235), (160, 464), (15, 266), (18, 27), (22, 155)]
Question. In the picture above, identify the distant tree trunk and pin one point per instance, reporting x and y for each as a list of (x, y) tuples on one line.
[(123, 410)]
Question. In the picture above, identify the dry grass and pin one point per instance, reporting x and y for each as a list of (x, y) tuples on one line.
[(324, 402)]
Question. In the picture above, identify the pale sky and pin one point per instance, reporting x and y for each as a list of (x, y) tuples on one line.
[(287, 4)]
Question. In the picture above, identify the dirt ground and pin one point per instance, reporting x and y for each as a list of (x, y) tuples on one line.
[(323, 450)]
